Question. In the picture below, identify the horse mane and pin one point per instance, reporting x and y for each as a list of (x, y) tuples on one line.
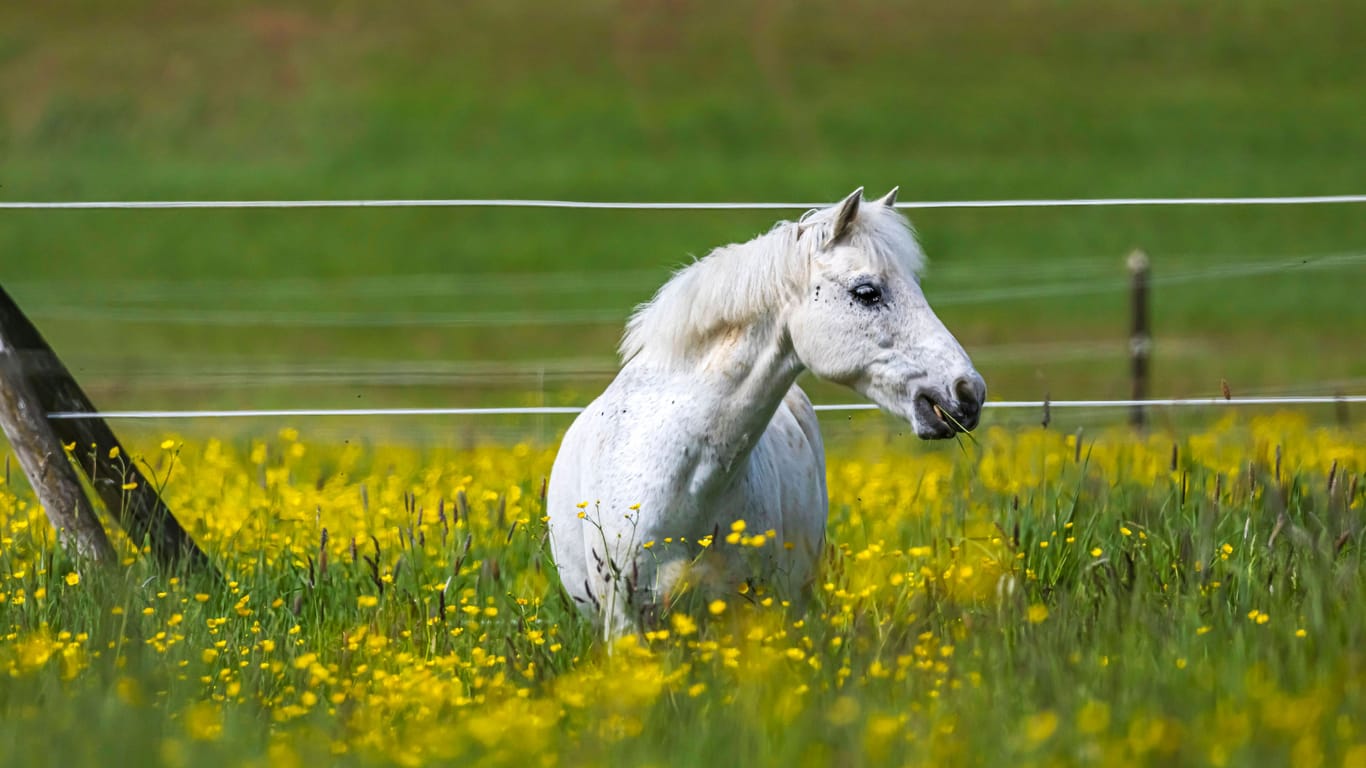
[(736, 285)]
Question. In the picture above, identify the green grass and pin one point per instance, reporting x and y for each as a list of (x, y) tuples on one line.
[(755, 101), (942, 630)]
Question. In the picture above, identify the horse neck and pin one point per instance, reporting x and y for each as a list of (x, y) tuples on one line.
[(750, 366), (745, 373)]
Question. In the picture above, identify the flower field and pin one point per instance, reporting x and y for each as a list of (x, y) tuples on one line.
[(1176, 598)]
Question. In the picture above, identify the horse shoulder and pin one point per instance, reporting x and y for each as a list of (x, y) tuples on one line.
[(805, 501), (805, 414), (634, 448)]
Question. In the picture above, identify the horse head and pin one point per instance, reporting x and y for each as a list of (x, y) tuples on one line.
[(863, 321)]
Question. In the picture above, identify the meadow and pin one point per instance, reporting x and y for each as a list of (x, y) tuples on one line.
[(754, 100), (1181, 597), (1190, 595)]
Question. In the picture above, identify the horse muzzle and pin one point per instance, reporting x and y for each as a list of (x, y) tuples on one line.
[(943, 414)]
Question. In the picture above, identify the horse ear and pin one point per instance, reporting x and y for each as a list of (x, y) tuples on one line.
[(889, 199), (845, 218)]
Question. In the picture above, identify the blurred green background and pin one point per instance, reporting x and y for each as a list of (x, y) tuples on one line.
[(669, 100)]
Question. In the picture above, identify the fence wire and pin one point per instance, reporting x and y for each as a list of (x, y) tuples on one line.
[(1213, 402), (1094, 202)]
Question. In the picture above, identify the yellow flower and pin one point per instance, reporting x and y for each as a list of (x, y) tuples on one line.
[(167, 445), (1038, 612), (1041, 727), (1093, 717), (72, 579), (114, 452), (683, 624), (1097, 552), (128, 691), (717, 607), (204, 721), (367, 601)]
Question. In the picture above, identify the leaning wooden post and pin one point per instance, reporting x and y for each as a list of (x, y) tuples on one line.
[(126, 494), (45, 462), (1140, 336)]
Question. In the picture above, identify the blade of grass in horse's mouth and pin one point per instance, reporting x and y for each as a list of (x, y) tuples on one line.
[(955, 423)]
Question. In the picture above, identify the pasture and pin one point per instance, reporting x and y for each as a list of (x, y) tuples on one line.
[(642, 101), (1080, 593), (1183, 599)]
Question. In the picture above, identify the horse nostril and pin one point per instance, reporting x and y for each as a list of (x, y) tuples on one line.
[(971, 392)]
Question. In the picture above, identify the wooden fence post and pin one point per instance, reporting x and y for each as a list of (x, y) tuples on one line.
[(1140, 335), (45, 462), (125, 492)]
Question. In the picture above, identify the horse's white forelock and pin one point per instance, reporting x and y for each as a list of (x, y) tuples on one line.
[(736, 285)]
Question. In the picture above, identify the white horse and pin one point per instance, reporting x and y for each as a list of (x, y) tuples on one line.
[(704, 426)]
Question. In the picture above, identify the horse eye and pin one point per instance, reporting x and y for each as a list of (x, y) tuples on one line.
[(869, 295)]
